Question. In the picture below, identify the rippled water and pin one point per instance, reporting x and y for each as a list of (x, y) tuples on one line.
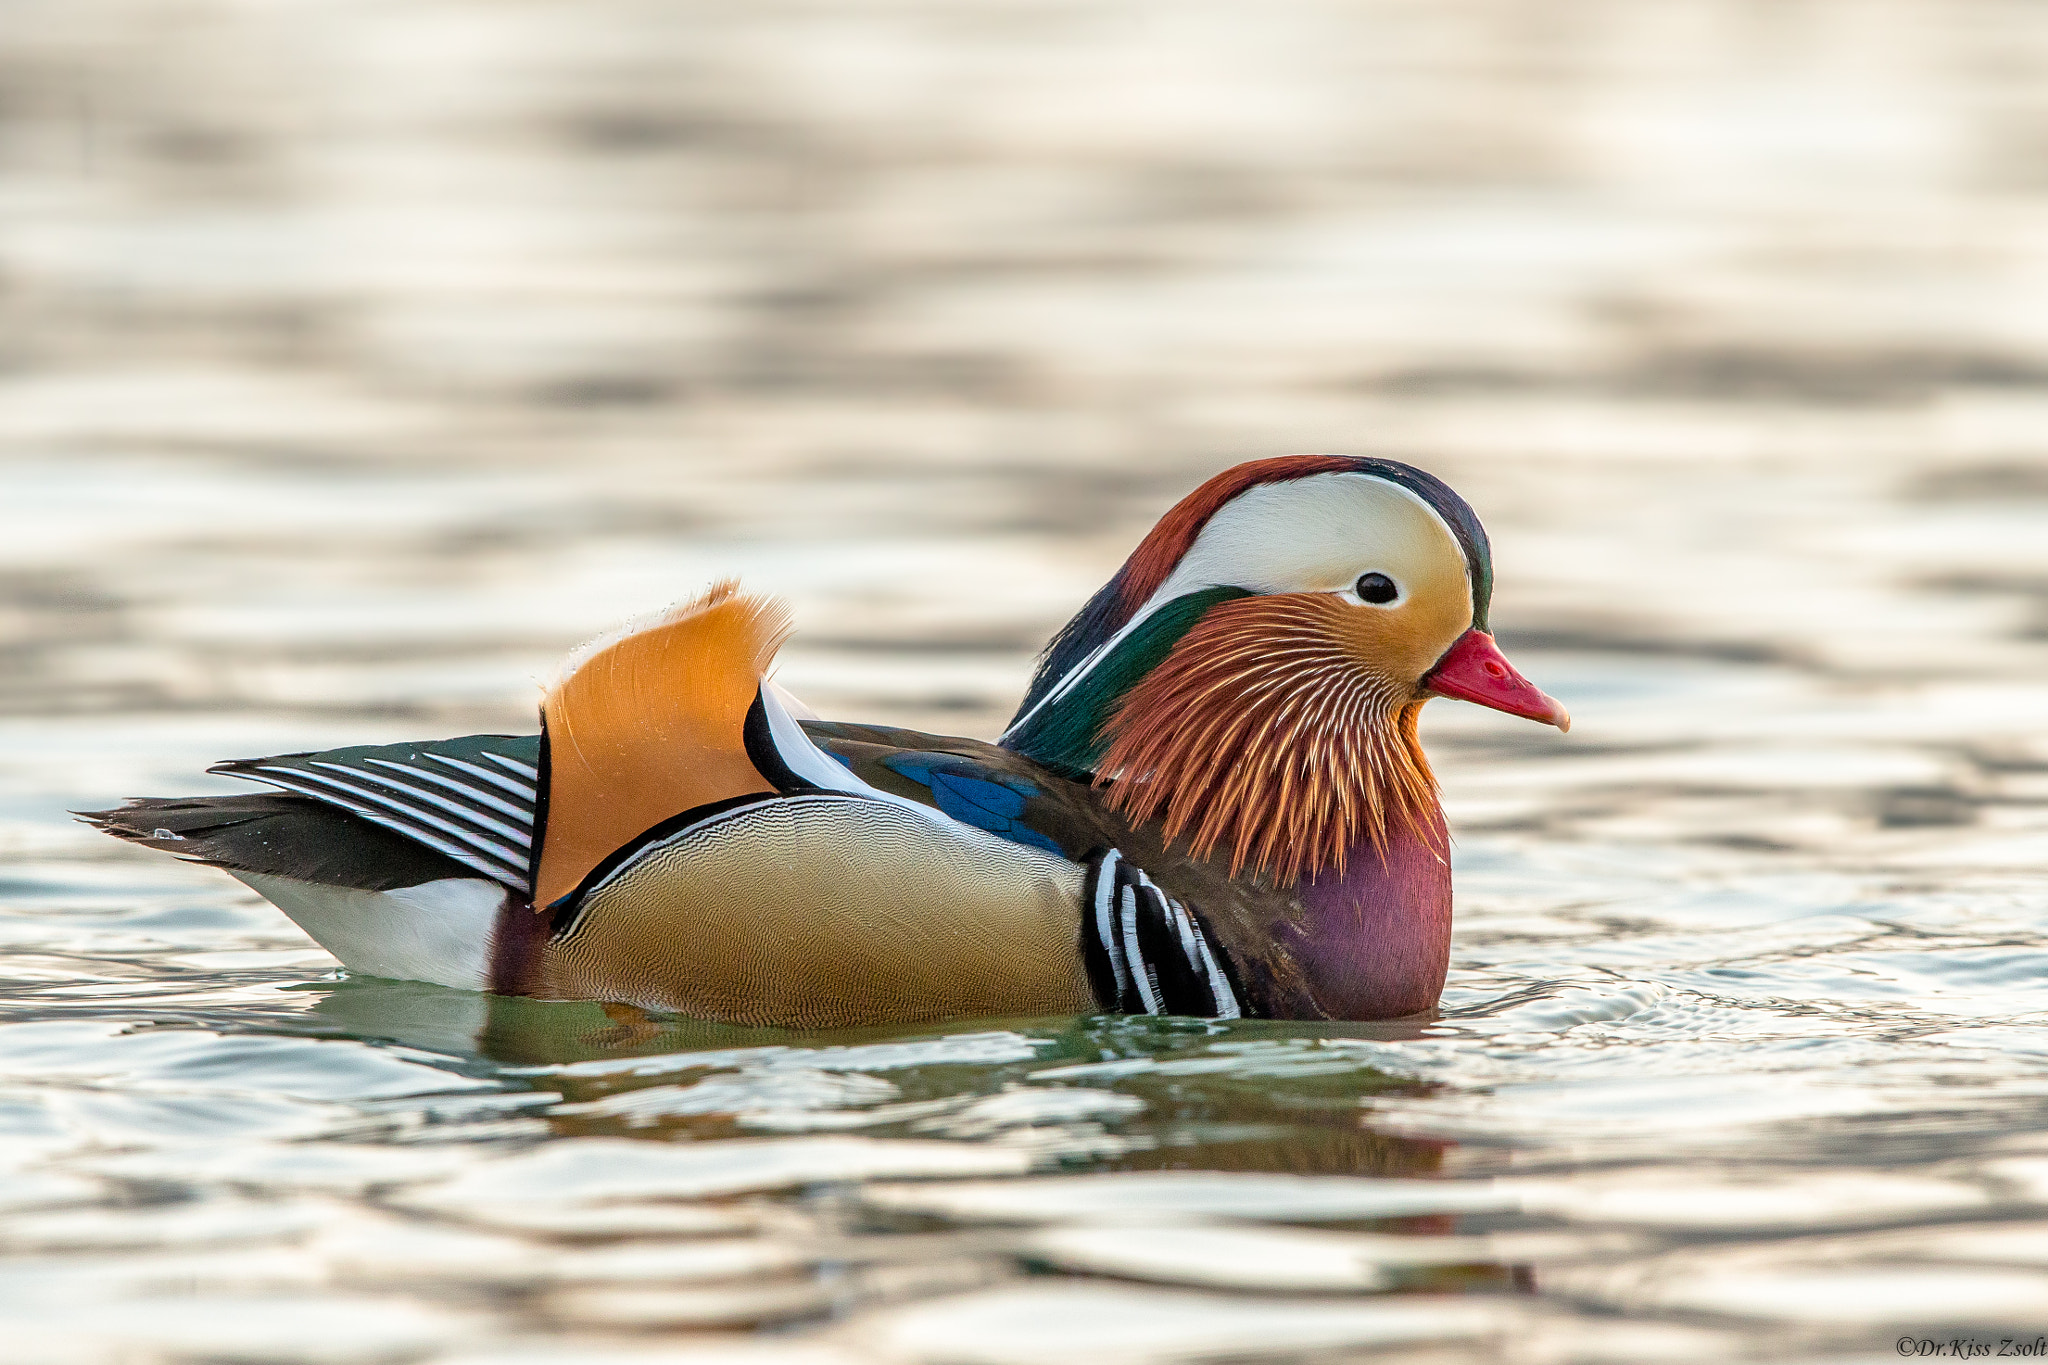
[(356, 360)]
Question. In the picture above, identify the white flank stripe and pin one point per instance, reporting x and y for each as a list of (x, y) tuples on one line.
[(525, 770), (522, 790), (1184, 925), (1194, 946), (1105, 887), (1219, 984), (519, 835), (1140, 973)]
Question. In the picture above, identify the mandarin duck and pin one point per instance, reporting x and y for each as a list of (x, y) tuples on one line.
[(1212, 800)]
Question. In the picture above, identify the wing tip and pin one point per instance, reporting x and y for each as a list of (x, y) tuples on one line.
[(122, 821), (104, 821), (139, 820)]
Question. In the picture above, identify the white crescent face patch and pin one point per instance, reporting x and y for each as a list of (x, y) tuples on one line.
[(1320, 534)]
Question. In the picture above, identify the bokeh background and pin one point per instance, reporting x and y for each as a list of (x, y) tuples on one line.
[(357, 359)]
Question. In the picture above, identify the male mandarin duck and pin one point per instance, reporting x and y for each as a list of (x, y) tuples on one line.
[(1211, 802)]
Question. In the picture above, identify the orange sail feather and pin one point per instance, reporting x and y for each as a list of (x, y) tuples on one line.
[(649, 723)]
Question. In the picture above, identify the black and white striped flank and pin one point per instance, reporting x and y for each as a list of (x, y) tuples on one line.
[(1147, 953)]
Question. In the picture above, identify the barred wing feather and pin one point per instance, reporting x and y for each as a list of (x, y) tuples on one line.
[(471, 798)]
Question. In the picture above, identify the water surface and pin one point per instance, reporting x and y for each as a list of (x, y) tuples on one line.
[(356, 361)]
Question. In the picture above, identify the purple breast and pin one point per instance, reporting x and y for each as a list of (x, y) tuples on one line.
[(1375, 941)]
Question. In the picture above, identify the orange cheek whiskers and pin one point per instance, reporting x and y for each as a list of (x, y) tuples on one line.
[(1261, 731)]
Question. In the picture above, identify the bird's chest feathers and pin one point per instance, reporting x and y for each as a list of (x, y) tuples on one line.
[(1370, 942), (1374, 941)]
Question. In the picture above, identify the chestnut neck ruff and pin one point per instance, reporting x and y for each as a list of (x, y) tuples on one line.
[(1258, 733)]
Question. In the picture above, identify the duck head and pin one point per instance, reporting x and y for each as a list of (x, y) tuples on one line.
[(1253, 674)]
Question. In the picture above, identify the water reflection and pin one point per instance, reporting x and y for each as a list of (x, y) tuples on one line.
[(1105, 1091)]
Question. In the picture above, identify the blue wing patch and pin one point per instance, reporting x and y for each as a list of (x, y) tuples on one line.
[(973, 795)]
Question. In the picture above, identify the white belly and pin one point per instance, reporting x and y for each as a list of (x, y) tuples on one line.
[(436, 931)]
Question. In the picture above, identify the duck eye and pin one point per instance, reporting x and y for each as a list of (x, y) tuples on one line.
[(1377, 589)]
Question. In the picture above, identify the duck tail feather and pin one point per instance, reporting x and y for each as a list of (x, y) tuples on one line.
[(277, 835)]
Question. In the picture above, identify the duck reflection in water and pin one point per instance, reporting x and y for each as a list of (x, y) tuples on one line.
[(626, 1071)]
